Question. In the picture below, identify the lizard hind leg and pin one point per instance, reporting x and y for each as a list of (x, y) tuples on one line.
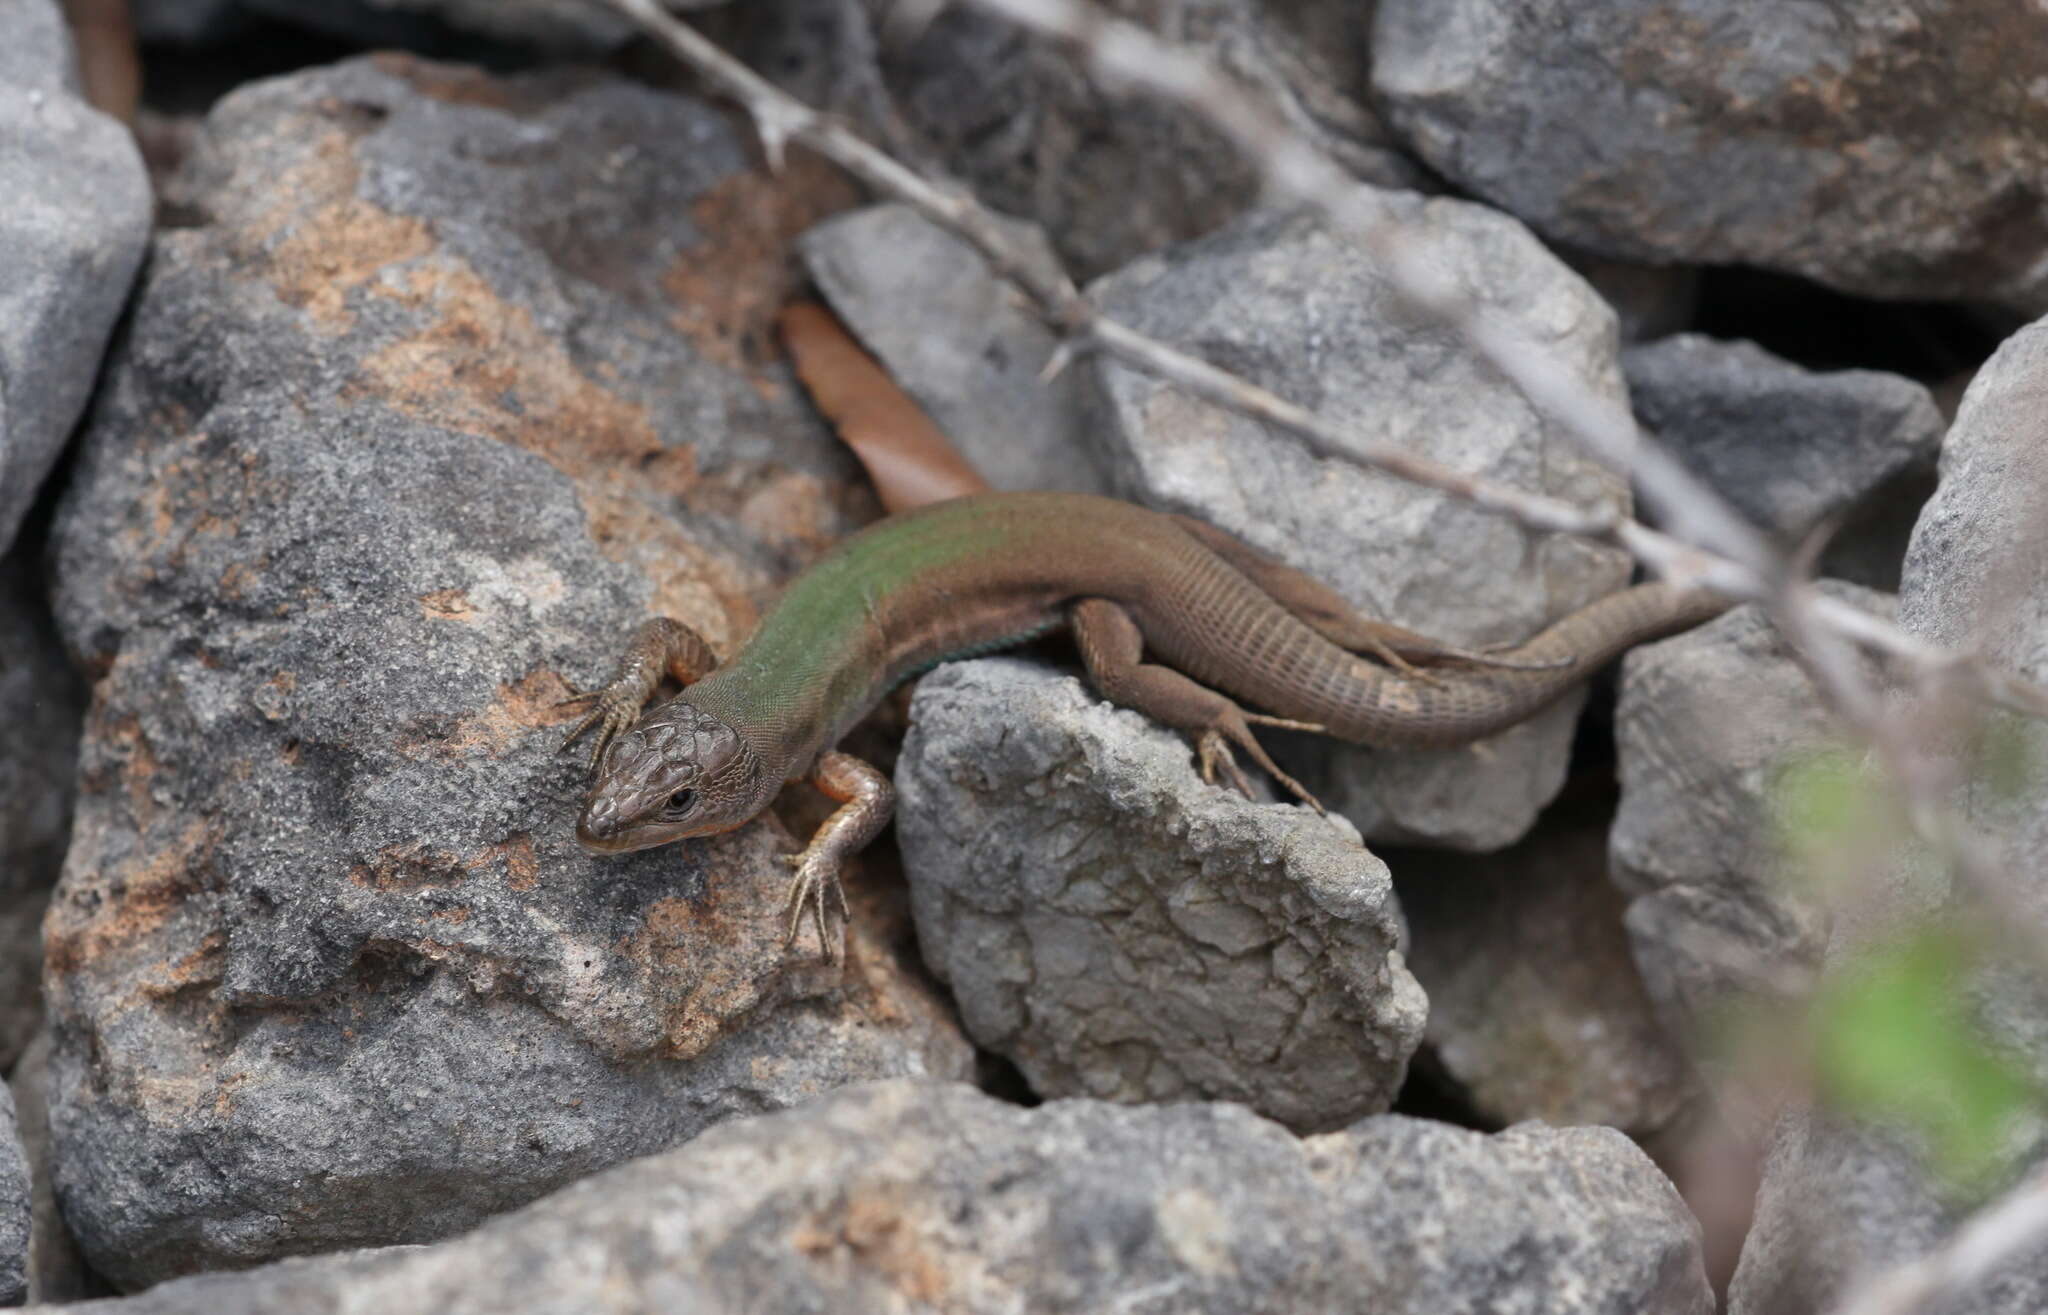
[(659, 645), (1112, 649)]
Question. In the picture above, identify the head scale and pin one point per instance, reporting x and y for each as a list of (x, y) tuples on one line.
[(680, 772)]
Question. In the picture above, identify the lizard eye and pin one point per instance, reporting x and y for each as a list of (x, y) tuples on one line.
[(680, 801)]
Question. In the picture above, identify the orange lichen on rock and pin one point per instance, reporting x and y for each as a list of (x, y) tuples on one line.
[(129, 901), (727, 288)]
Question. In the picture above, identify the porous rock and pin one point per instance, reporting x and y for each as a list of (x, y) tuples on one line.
[(1109, 176), (1120, 929), (1841, 1198), (71, 236), (917, 1197), (1788, 447), (960, 341), (1708, 723), (14, 1207), (1892, 150), (439, 384), (41, 707), (1298, 309), (1536, 1009), (56, 1272)]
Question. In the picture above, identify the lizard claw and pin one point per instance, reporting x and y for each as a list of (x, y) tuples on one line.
[(1215, 751), (1214, 745), (612, 712), (817, 878)]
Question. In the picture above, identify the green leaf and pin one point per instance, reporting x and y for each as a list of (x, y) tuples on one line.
[(1895, 1043)]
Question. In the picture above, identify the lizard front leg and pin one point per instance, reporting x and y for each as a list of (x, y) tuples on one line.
[(1112, 648), (659, 645), (867, 800)]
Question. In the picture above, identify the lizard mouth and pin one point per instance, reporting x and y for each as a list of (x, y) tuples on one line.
[(603, 829)]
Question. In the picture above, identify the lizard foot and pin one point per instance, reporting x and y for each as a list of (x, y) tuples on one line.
[(1214, 746), (817, 878), (613, 709)]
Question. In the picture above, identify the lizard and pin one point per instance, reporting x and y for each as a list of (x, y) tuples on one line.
[(1172, 616)]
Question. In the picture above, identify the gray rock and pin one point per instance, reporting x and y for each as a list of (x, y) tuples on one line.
[(56, 1271), (1706, 723), (1535, 1007), (1841, 1199), (41, 705), (1976, 578), (1786, 447), (443, 384), (1890, 150), (920, 1197), (14, 1207), (1299, 310), (71, 236), (959, 341), (1121, 930), (38, 54), (1021, 121)]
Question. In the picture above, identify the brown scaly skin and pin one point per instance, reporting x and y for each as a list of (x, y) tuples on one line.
[(979, 573)]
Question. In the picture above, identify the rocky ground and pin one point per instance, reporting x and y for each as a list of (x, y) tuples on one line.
[(422, 347)]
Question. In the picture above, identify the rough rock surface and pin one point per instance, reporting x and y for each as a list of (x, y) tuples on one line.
[(41, 706), (1120, 929), (1840, 1199), (14, 1207), (1892, 150), (1786, 446), (56, 1272), (918, 1197), (1299, 310), (1535, 1007), (440, 384), (38, 52), (1706, 723), (1976, 577), (959, 341), (1022, 122), (71, 236)]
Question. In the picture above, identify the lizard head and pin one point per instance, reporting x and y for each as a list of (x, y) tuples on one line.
[(679, 772)]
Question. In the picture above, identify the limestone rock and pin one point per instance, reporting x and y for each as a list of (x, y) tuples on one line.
[(1278, 298), (1707, 723), (1018, 119), (1892, 150), (442, 383), (71, 236), (1119, 929), (1789, 447), (928, 1197), (14, 1207)]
